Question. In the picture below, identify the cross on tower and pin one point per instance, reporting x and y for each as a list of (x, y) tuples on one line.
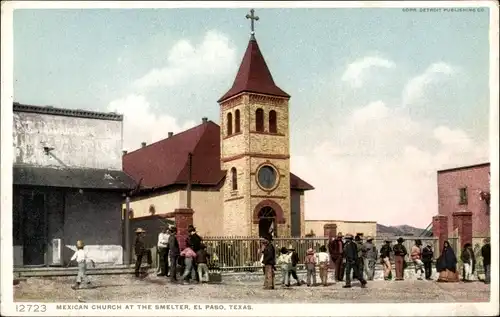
[(252, 18)]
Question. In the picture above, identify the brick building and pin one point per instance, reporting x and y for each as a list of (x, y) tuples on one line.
[(241, 183), (463, 197)]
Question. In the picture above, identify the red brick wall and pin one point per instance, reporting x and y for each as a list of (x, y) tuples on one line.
[(462, 221), (440, 229), (476, 179)]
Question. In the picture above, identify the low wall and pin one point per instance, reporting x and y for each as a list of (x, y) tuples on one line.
[(103, 254)]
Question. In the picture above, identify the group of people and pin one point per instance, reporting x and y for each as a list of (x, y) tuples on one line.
[(193, 259), (446, 264), (288, 259), (350, 255)]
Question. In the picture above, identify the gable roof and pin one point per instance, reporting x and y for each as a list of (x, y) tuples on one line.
[(165, 162), (254, 75)]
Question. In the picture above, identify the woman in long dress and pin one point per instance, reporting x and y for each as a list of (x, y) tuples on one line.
[(446, 264)]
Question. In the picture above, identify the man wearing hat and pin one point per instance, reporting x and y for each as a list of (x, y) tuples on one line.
[(370, 258), (351, 255), (194, 241), (360, 260), (399, 258), (141, 251), (174, 253), (427, 257), (269, 261), (293, 268), (335, 248), (385, 258)]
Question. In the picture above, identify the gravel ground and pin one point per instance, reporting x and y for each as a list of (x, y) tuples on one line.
[(152, 289)]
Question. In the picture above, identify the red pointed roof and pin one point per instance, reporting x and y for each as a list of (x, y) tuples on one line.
[(165, 162), (254, 75)]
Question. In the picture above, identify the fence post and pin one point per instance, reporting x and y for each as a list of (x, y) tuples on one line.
[(440, 229)]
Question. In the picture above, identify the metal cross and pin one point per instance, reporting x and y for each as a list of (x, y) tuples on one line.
[(252, 18)]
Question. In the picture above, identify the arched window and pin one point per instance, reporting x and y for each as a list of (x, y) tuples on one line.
[(229, 123), (237, 121), (234, 178), (259, 120), (272, 122)]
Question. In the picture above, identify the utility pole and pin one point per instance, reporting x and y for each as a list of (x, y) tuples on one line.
[(127, 231), (190, 179)]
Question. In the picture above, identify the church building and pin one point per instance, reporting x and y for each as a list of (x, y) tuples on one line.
[(238, 173)]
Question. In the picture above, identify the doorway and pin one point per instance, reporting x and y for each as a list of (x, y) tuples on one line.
[(267, 222), (34, 228)]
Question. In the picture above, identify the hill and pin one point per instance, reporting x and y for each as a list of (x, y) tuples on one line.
[(403, 230)]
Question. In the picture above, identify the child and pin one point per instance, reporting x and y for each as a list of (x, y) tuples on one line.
[(284, 262), (310, 263), (202, 257), (81, 259), (189, 256), (323, 260)]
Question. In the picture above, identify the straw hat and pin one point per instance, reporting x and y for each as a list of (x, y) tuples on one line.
[(139, 230), (290, 247), (79, 244), (348, 236), (369, 238)]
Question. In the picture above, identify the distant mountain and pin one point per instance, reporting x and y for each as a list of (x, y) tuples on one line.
[(403, 230)]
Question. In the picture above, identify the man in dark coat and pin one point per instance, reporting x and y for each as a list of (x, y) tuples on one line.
[(486, 255), (350, 254), (294, 257), (360, 260), (335, 248), (194, 241), (141, 251), (174, 252), (385, 258), (399, 259), (269, 261), (427, 257)]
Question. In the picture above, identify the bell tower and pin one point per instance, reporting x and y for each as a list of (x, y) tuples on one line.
[(255, 149)]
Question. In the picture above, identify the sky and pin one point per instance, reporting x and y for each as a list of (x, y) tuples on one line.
[(380, 98)]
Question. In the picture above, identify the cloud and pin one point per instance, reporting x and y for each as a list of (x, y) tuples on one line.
[(214, 56), (382, 166), (211, 61), (356, 72), (141, 124), (416, 87), (381, 163)]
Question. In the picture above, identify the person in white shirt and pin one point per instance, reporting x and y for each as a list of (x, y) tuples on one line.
[(323, 261), (163, 251), (80, 257)]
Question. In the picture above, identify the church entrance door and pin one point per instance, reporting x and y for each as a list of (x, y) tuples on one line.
[(267, 222)]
